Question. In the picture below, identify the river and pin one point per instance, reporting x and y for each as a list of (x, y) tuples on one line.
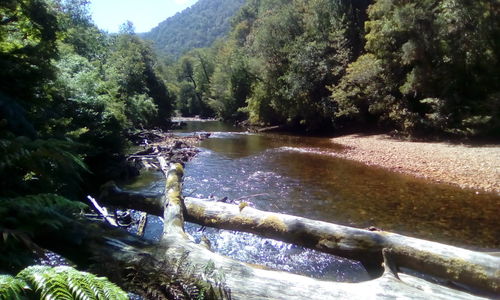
[(300, 176)]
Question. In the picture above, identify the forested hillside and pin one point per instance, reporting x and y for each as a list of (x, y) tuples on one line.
[(196, 27), (420, 67)]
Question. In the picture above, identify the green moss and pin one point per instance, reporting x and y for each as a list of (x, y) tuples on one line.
[(197, 211), (179, 170), (274, 223), (243, 221), (327, 244), (457, 266), (213, 221), (177, 223), (174, 197), (172, 180), (242, 205), (457, 269)]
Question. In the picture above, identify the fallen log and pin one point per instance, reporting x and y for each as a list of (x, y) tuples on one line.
[(103, 211), (130, 260), (112, 195), (475, 269), (246, 282), (480, 271), (266, 129)]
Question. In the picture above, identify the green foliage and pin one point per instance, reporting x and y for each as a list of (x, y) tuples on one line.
[(12, 288), (279, 60), (188, 103), (175, 279), (68, 95), (38, 166), (28, 33), (357, 94), (142, 110), (45, 282), (132, 68), (421, 67), (230, 83), (21, 217), (437, 61), (30, 213), (193, 76), (196, 27), (275, 65), (61, 78)]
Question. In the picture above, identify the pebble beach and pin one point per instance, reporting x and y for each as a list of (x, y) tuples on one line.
[(471, 167)]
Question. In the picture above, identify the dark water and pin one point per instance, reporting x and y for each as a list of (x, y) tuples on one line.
[(300, 176)]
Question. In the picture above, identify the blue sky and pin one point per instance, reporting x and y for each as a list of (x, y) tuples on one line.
[(145, 14)]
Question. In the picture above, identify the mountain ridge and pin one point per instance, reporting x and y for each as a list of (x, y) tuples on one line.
[(195, 27)]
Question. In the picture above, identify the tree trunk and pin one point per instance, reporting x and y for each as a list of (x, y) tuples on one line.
[(477, 270), (247, 282)]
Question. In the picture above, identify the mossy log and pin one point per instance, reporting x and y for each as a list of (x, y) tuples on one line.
[(247, 282), (479, 271)]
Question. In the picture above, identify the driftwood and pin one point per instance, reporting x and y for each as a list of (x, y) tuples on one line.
[(141, 227), (477, 270), (146, 137), (173, 149), (266, 129), (103, 211)]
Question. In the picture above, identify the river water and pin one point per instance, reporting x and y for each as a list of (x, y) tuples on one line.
[(300, 176)]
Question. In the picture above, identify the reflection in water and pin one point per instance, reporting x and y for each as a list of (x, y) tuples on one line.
[(301, 176)]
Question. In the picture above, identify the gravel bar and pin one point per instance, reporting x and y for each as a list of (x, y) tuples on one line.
[(472, 167)]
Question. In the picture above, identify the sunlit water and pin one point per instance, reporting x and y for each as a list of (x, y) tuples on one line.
[(301, 176)]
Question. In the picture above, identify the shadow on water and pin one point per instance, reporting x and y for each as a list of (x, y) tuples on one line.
[(302, 176)]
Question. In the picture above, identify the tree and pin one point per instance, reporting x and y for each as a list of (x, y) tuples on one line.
[(65, 107), (231, 82), (194, 72), (28, 35), (436, 60), (132, 67), (127, 28), (297, 49)]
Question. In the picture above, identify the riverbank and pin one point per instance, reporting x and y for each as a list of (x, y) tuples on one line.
[(473, 167)]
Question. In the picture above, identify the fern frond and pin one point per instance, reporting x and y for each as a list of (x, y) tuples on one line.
[(67, 283), (175, 279), (45, 282), (41, 165), (13, 288), (21, 217), (37, 210)]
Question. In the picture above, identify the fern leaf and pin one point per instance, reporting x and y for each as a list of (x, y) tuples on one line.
[(12, 288), (61, 283)]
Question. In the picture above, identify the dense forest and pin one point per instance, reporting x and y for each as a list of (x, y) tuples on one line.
[(196, 27), (428, 67), (70, 94)]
